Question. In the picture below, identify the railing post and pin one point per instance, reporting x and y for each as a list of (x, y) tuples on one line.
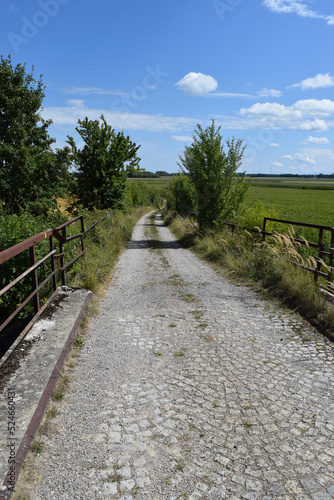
[(331, 257), (53, 267), (34, 278), (264, 229), (321, 245), (82, 233), (62, 258)]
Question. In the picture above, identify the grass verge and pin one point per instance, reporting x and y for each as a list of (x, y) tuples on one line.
[(268, 268)]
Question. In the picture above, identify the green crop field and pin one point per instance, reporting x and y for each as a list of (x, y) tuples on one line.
[(155, 182), (303, 205), (293, 198)]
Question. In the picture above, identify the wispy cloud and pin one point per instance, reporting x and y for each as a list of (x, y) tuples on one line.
[(182, 138), (92, 91), (269, 93), (229, 94), (303, 157), (76, 103), (319, 81), (274, 145), (298, 7), (67, 118)]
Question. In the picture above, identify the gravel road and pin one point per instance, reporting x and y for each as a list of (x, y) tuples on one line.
[(192, 387)]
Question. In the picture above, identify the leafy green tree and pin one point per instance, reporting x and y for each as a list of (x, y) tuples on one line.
[(181, 195), (102, 164), (31, 174), (213, 172)]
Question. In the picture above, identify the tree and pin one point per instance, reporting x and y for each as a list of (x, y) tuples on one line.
[(31, 174), (102, 164), (213, 172)]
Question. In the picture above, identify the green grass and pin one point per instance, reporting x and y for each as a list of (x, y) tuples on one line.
[(301, 205), (158, 183)]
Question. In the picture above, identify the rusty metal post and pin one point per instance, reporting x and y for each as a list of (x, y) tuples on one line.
[(264, 231), (321, 247), (34, 278), (53, 267), (82, 233), (62, 258), (331, 257)]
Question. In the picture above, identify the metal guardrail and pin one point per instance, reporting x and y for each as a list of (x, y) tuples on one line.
[(30, 245)]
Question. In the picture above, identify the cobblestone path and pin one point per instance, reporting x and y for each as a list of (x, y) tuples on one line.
[(191, 387)]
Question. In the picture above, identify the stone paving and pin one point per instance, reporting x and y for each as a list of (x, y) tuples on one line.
[(192, 387)]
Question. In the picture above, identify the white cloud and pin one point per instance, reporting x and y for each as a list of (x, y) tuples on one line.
[(269, 93), (298, 7), (67, 118), (92, 91), (277, 164), (303, 157), (323, 156), (315, 140), (307, 115), (274, 144), (228, 94), (319, 81), (182, 138), (197, 84), (76, 103)]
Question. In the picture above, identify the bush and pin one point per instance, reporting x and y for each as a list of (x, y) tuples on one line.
[(138, 193), (181, 195), (14, 229)]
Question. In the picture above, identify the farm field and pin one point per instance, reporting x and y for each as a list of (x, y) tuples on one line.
[(294, 182), (299, 199), (303, 205), (155, 182)]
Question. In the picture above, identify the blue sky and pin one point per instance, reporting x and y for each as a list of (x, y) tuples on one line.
[(263, 69)]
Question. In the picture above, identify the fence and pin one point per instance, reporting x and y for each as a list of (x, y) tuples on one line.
[(30, 245), (323, 251)]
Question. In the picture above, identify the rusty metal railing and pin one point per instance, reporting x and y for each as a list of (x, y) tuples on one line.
[(323, 250), (320, 246), (60, 234)]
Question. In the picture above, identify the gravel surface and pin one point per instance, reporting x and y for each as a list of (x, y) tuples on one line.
[(192, 387)]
